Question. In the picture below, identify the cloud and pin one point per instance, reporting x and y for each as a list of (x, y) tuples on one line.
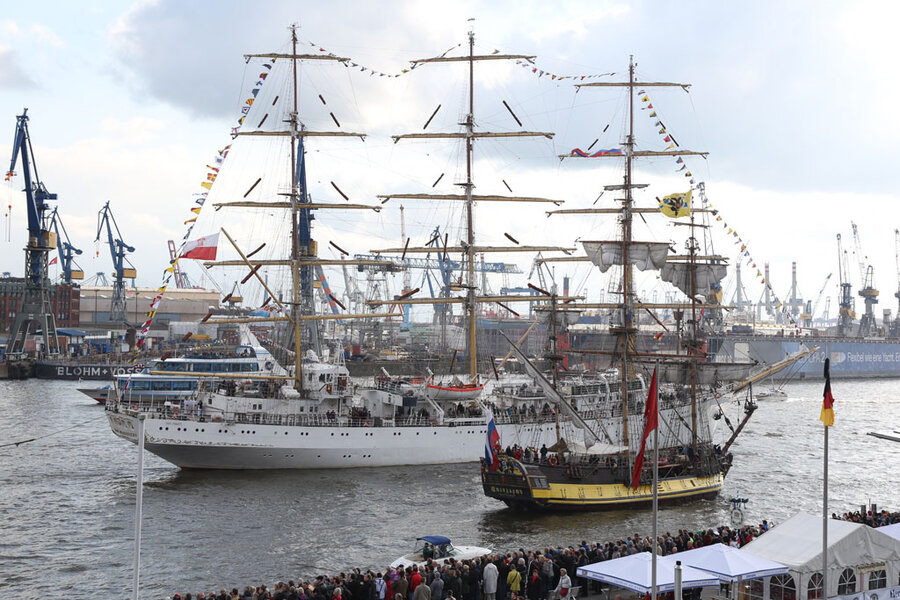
[(9, 28), (12, 75), (44, 34)]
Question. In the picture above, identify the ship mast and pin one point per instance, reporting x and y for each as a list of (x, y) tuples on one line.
[(295, 213), (627, 327), (468, 248), (471, 347)]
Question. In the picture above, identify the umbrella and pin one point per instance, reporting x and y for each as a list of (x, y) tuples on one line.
[(635, 573), (730, 564)]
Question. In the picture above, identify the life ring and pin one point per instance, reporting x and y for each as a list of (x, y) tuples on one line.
[(553, 461)]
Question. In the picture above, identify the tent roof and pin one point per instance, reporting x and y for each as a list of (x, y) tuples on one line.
[(634, 572), (798, 543), (730, 564), (891, 530)]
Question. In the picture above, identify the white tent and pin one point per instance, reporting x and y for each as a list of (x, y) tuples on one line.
[(891, 530), (854, 550), (730, 564), (634, 572)]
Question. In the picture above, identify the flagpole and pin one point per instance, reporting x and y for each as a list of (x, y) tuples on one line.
[(825, 521), (139, 506), (655, 485), (827, 397)]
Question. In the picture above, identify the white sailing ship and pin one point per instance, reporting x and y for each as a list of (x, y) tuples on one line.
[(316, 416)]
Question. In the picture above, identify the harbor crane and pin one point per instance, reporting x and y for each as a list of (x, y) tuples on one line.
[(897, 260), (117, 248), (36, 313), (846, 312), (809, 314), (868, 292), (65, 250)]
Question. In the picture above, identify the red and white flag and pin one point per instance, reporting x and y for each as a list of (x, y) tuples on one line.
[(202, 248), (651, 421), (53, 262)]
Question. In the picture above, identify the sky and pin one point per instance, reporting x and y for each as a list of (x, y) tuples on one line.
[(129, 103)]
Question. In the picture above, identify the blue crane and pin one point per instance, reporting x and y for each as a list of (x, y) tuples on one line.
[(117, 248), (65, 250), (35, 312)]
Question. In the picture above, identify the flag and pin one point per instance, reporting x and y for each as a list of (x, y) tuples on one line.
[(650, 423), (202, 248), (53, 262), (492, 443), (676, 205), (658, 336), (827, 414)]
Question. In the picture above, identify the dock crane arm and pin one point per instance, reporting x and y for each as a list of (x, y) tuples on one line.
[(65, 249)]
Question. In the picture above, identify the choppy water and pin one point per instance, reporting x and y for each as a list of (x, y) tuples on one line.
[(67, 501)]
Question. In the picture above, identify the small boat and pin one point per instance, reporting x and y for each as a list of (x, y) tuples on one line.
[(772, 394), (99, 394), (439, 550), (455, 390)]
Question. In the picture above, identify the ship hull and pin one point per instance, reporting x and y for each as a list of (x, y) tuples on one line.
[(564, 488), (849, 357), (218, 445), (612, 496), (83, 371)]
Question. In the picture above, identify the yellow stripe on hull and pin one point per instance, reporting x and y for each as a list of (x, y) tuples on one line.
[(617, 494)]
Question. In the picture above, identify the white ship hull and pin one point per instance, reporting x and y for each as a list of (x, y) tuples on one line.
[(193, 444), (210, 445)]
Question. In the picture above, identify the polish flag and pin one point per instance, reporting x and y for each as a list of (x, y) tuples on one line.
[(202, 248)]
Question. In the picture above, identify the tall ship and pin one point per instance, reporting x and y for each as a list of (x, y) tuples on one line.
[(316, 416), (589, 472)]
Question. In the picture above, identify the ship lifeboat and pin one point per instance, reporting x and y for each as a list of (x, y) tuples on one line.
[(454, 391)]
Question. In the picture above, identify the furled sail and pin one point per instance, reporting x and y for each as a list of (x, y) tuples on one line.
[(643, 255), (558, 317), (705, 275)]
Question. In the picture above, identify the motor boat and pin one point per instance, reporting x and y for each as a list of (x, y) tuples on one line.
[(439, 550)]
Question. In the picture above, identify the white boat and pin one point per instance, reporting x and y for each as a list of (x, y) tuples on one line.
[(771, 394), (439, 550), (455, 390), (100, 394)]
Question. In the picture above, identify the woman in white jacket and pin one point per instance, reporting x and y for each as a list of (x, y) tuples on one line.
[(562, 588)]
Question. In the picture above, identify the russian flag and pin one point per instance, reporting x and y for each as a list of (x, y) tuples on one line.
[(491, 442)]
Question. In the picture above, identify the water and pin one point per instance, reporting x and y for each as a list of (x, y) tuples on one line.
[(67, 501)]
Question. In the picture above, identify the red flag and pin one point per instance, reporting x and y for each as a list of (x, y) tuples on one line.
[(651, 421), (52, 262), (202, 248)]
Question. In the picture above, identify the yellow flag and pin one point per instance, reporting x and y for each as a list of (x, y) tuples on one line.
[(676, 205), (207, 184)]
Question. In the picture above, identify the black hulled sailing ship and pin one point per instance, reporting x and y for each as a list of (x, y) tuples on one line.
[(596, 471)]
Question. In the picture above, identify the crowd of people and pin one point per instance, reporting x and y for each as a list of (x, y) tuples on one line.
[(870, 517), (518, 575)]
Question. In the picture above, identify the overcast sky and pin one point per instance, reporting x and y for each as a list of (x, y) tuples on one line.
[(794, 102)]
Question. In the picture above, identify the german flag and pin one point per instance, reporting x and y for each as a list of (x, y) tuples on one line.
[(827, 415)]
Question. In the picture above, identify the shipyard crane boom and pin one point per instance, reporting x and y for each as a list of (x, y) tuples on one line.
[(845, 310), (65, 250), (810, 313), (867, 292), (117, 249), (35, 313), (897, 260)]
